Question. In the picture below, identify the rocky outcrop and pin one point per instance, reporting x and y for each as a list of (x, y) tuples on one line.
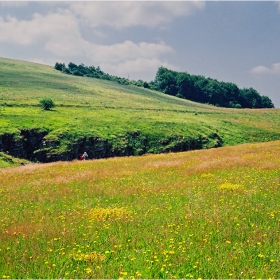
[(23, 143), (38, 145)]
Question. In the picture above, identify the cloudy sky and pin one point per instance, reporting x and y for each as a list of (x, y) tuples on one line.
[(231, 41)]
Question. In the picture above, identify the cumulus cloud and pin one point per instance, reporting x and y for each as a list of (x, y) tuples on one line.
[(41, 28), (132, 13), (139, 61), (274, 70), (128, 50), (139, 68), (58, 32), (61, 35)]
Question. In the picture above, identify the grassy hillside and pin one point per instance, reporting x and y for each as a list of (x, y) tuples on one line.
[(108, 119), (9, 161), (211, 214)]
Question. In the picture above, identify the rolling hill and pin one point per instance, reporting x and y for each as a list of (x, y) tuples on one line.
[(107, 119)]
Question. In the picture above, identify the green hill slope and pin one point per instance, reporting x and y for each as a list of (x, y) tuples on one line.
[(107, 119)]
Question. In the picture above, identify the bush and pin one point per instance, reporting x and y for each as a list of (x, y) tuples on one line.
[(47, 104), (59, 66), (145, 85)]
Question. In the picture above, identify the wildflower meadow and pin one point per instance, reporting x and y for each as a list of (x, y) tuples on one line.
[(200, 214)]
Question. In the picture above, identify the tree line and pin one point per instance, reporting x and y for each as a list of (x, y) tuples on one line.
[(183, 85), (206, 90), (89, 71)]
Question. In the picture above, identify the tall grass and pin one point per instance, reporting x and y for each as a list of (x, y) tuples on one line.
[(199, 214)]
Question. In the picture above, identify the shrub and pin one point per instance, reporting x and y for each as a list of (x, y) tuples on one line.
[(47, 104), (59, 66), (145, 85)]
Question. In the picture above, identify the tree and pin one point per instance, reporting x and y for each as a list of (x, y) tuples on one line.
[(200, 84), (165, 81), (145, 85), (66, 70), (250, 98), (47, 104), (185, 86), (266, 102), (231, 94), (76, 72), (72, 66), (59, 66)]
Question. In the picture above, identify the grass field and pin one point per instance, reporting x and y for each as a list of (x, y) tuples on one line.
[(198, 214), (89, 107)]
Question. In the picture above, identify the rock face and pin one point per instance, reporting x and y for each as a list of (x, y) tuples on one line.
[(22, 144), (95, 147), (35, 145)]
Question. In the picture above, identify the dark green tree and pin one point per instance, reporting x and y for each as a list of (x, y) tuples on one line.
[(76, 72), (72, 66), (200, 86), (250, 98), (66, 70), (165, 81), (146, 85), (231, 94), (266, 102), (185, 85), (59, 66), (46, 104)]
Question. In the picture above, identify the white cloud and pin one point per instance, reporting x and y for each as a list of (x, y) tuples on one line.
[(58, 32), (140, 68), (137, 60), (128, 58), (127, 50), (260, 70), (274, 70), (40, 29), (132, 13)]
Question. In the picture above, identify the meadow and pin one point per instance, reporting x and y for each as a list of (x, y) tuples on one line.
[(199, 214)]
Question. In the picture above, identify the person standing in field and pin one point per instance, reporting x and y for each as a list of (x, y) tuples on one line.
[(85, 156)]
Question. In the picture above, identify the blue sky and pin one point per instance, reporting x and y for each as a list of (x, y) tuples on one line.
[(231, 41)]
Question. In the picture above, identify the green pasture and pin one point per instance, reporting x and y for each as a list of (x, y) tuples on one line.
[(199, 214), (90, 107)]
